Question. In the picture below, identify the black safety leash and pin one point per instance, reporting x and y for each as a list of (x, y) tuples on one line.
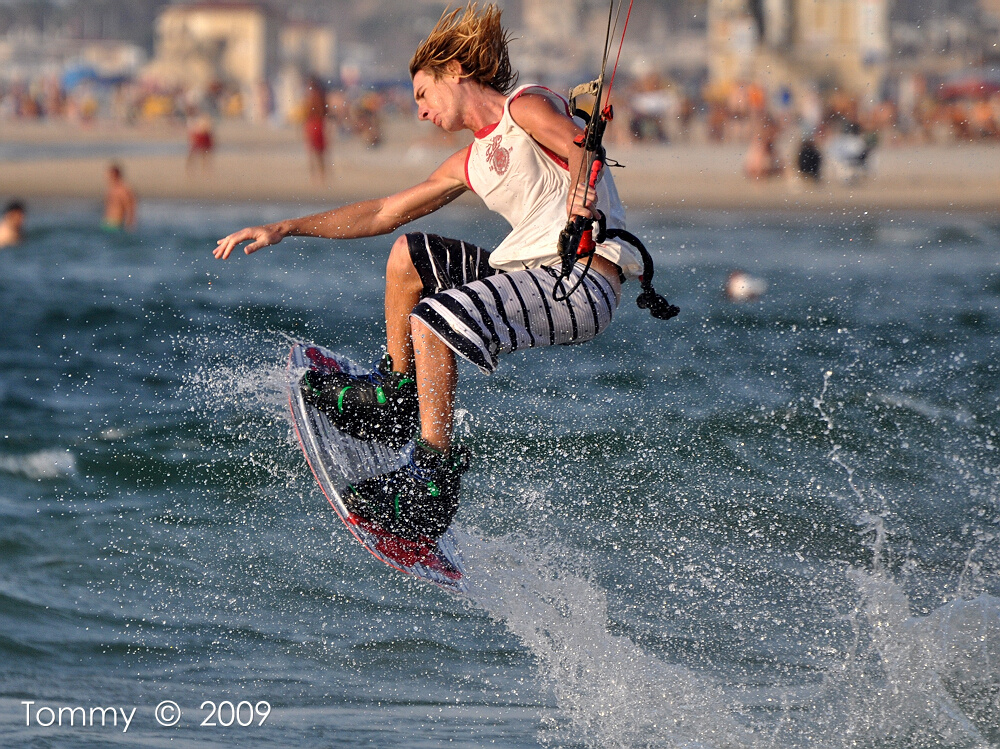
[(657, 305), (576, 240)]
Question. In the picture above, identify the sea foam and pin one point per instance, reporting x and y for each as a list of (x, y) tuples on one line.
[(43, 465)]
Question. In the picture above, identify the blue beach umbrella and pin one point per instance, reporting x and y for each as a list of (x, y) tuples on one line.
[(79, 74)]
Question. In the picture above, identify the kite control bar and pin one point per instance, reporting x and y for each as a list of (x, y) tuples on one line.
[(576, 240)]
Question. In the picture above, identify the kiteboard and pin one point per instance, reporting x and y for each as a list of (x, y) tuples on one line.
[(337, 460)]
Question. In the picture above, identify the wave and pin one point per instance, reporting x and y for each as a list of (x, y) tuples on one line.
[(938, 672), (44, 465), (959, 415), (897, 680), (609, 691)]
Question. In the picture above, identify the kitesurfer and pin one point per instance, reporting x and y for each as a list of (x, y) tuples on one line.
[(446, 296)]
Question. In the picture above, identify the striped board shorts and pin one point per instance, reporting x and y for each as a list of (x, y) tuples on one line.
[(480, 312)]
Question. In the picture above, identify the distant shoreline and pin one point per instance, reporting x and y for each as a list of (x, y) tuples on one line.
[(260, 164)]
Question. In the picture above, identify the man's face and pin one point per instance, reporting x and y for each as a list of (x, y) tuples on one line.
[(437, 100)]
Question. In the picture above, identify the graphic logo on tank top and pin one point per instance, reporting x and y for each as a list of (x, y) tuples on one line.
[(497, 156)]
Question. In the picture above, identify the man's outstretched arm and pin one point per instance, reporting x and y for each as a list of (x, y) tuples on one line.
[(368, 218)]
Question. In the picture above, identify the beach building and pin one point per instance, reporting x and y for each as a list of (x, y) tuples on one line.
[(560, 42), (310, 49), (203, 44), (550, 46), (307, 51), (29, 55), (243, 48), (841, 44)]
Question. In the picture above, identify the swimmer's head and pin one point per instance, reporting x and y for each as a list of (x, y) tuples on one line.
[(742, 287)]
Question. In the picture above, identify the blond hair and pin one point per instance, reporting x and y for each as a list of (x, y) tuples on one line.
[(475, 40)]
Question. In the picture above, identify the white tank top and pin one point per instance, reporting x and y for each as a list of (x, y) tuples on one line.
[(528, 185)]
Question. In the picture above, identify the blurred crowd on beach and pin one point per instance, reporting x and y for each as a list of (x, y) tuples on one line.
[(354, 110), (788, 132), (656, 108), (650, 108)]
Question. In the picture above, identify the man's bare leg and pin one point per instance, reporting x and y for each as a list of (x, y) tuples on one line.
[(402, 292), (416, 346), (437, 376)]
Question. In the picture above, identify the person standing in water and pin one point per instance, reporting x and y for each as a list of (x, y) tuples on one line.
[(119, 202), (314, 128), (446, 297), (200, 142), (12, 223)]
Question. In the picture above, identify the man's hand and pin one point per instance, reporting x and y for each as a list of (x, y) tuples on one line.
[(262, 236), (582, 202)]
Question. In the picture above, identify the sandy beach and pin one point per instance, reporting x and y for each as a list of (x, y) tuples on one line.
[(54, 161)]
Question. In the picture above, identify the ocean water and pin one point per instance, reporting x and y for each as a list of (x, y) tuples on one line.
[(767, 524)]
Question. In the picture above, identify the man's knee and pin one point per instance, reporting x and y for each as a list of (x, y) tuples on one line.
[(400, 265)]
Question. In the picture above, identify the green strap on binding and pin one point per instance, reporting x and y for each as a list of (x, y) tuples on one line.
[(340, 398)]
